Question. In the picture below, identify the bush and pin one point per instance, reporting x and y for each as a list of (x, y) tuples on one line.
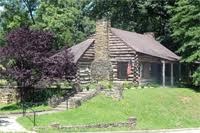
[(154, 85), (106, 84), (196, 77), (89, 86), (61, 84), (3, 82), (129, 85), (43, 95)]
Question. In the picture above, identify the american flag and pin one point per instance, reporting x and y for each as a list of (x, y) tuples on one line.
[(129, 69)]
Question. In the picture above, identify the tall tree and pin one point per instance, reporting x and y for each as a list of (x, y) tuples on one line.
[(15, 13), (136, 15), (29, 58), (65, 18), (185, 24)]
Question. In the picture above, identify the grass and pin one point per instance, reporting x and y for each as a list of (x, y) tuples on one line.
[(15, 108), (154, 108)]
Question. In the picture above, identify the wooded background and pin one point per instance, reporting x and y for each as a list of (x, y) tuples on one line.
[(176, 23)]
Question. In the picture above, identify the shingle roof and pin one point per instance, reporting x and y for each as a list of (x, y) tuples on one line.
[(139, 42), (80, 48), (145, 44)]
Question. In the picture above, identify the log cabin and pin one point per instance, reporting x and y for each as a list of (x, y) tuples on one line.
[(119, 55)]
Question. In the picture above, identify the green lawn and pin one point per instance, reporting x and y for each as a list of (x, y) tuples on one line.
[(15, 108), (154, 108)]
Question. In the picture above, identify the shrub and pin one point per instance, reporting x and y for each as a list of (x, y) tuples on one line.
[(154, 85), (129, 85), (35, 63), (3, 82), (89, 86), (196, 77), (106, 84)]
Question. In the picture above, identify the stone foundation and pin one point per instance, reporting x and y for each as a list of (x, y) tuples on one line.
[(8, 95)]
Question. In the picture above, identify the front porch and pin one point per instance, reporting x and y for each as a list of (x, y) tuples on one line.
[(163, 72)]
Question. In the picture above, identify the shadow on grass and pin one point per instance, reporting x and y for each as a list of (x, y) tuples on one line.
[(191, 87), (196, 89), (10, 107)]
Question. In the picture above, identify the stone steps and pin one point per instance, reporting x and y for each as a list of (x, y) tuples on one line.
[(76, 100)]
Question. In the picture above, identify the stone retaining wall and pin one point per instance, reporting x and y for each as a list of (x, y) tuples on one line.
[(130, 123), (7, 95)]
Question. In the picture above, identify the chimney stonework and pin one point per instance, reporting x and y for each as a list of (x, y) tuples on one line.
[(101, 68), (101, 40)]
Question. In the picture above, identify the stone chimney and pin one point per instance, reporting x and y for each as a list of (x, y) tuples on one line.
[(101, 68)]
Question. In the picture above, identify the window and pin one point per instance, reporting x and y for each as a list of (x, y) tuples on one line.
[(122, 70), (146, 70)]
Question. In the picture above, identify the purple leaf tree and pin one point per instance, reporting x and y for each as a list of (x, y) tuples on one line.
[(30, 57)]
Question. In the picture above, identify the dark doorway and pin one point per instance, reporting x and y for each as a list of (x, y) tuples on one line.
[(122, 70)]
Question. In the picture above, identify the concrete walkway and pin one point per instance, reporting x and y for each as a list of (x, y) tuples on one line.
[(9, 124)]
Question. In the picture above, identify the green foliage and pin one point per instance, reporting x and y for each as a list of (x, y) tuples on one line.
[(135, 15), (68, 18), (196, 77), (185, 24), (3, 82), (176, 23), (16, 107), (106, 84), (43, 95), (129, 85), (154, 85), (61, 84), (12, 16), (89, 86), (65, 18)]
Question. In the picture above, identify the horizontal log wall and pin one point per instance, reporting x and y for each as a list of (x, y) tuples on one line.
[(121, 52), (84, 65), (148, 58)]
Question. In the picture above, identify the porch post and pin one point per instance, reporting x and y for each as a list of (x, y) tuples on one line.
[(172, 74), (179, 72), (163, 73), (141, 69)]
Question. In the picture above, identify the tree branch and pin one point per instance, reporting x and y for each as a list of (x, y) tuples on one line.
[(26, 2)]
